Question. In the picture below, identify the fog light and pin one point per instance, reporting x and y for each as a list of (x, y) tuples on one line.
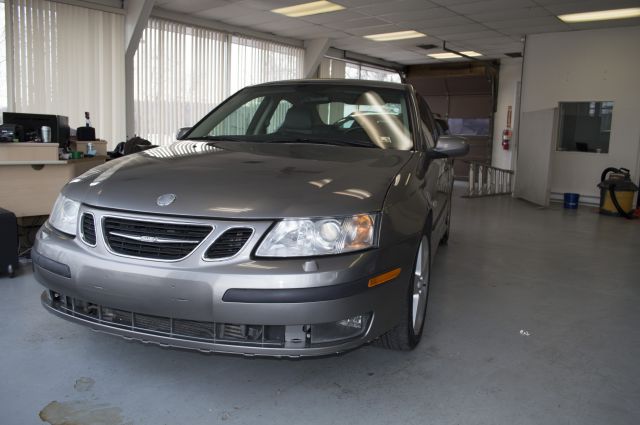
[(355, 322), (344, 329)]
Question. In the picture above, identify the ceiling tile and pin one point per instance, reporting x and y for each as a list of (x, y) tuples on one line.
[(379, 29), (515, 23), (427, 24), (487, 5), (394, 6), (266, 4), (357, 23), (507, 14), (357, 3), (473, 35), (193, 6), (419, 15), (249, 20), (534, 29), (279, 24), (448, 3), (223, 12), (456, 29)]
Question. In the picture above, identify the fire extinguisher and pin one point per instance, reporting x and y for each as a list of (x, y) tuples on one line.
[(507, 133)]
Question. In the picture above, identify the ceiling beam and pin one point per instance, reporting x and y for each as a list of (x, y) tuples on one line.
[(137, 14)]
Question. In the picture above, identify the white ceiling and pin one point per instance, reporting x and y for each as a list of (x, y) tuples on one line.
[(491, 27)]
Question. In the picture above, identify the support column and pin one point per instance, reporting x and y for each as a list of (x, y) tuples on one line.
[(137, 15), (314, 51)]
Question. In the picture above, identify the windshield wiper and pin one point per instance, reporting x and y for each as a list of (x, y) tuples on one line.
[(334, 142), (220, 138)]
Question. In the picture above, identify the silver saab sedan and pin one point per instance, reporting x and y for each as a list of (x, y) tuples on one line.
[(297, 218)]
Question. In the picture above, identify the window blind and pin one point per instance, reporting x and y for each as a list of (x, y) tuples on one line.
[(67, 60), (182, 72)]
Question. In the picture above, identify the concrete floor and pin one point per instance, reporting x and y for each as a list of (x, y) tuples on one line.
[(571, 280)]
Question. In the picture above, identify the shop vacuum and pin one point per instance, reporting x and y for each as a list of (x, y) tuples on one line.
[(617, 192)]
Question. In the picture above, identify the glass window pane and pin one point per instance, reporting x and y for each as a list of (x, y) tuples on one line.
[(352, 70), (314, 113), (469, 126), (584, 126), (3, 63), (237, 122), (278, 116)]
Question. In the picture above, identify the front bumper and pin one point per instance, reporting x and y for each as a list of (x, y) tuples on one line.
[(277, 297)]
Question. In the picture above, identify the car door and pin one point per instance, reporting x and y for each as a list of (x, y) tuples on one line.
[(438, 174)]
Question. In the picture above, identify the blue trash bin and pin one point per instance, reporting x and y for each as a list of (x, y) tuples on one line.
[(571, 201)]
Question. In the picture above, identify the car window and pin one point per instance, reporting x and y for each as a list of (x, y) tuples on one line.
[(238, 121), (279, 113), (357, 115), (427, 119)]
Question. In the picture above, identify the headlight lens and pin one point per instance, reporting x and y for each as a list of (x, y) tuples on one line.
[(320, 236), (64, 215)]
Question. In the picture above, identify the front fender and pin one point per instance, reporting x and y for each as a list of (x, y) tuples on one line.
[(407, 208)]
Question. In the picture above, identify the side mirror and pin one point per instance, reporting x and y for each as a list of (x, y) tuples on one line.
[(181, 132), (442, 124), (450, 147)]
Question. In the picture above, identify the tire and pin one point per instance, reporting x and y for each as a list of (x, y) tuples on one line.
[(11, 271), (407, 334)]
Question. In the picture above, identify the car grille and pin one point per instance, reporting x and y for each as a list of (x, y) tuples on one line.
[(229, 243), (88, 229), (154, 240), (213, 332)]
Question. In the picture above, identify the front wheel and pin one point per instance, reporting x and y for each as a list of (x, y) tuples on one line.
[(407, 334)]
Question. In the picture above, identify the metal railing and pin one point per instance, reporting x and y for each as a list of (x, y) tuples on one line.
[(485, 180)]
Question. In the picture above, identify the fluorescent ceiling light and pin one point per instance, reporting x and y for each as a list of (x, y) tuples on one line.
[(445, 55), (306, 9), (601, 15), (390, 36), (451, 55)]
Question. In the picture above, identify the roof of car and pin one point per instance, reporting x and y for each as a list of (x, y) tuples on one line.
[(335, 81)]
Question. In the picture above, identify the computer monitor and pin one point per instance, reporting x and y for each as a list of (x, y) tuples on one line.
[(32, 124)]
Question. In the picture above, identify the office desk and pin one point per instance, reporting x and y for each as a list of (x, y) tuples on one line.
[(30, 187)]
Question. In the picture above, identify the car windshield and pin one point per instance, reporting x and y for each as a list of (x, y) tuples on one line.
[(336, 114)]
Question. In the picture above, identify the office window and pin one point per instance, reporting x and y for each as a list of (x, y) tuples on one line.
[(182, 72), (3, 62), (585, 126), (67, 60), (337, 68)]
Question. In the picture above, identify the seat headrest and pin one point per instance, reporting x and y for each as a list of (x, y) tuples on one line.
[(299, 118)]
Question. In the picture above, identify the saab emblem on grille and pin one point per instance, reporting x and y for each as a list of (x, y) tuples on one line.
[(166, 199), (150, 239)]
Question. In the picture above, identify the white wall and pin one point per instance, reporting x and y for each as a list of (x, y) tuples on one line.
[(510, 71), (585, 66)]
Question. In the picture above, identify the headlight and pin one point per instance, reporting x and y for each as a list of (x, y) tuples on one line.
[(64, 215), (320, 236)]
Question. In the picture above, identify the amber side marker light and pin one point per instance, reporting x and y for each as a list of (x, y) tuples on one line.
[(384, 278)]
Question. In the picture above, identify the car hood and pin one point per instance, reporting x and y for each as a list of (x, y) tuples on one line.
[(243, 180)]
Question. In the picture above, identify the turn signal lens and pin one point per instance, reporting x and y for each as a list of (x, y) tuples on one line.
[(384, 278)]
